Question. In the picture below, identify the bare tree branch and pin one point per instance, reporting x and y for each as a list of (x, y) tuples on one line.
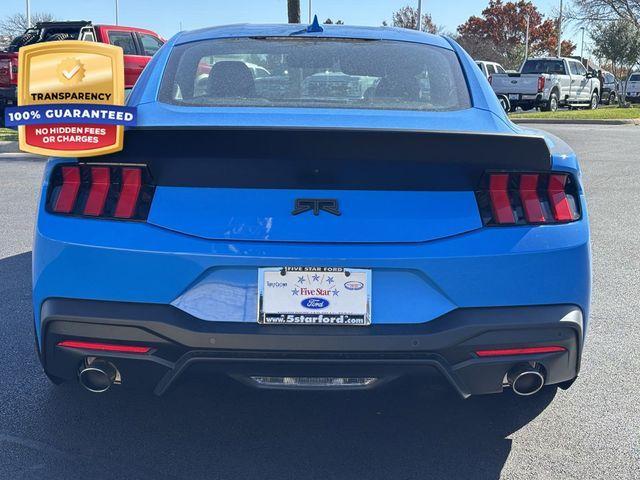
[(16, 24), (596, 11)]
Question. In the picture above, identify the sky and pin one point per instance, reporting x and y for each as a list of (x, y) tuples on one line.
[(168, 16)]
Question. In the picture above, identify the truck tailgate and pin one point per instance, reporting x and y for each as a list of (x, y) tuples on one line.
[(515, 83)]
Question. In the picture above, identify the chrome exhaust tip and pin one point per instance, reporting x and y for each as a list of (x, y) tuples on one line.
[(526, 380), (97, 375)]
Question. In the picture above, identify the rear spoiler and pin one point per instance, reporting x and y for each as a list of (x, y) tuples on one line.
[(322, 158)]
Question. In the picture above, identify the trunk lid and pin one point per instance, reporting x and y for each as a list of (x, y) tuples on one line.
[(322, 185)]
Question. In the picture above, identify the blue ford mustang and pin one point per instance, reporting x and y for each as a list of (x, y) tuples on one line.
[(315, 207)]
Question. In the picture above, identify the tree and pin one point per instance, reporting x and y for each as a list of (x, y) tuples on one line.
[(500, 32), (597, 11), (618, 42), (407, 17), (293, 11), (16, 24)]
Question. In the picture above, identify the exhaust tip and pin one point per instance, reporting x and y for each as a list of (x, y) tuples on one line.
[(97, 376), (526, 380)]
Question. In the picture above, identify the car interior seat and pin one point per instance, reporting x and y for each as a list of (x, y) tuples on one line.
[(229, 79)]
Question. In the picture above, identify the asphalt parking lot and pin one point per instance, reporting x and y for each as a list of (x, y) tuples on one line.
[(406, 431)]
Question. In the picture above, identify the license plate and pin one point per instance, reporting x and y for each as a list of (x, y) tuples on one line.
[(314, 296), (514, 96)]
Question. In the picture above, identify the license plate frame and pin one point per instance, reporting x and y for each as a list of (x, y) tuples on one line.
[(316, 296)]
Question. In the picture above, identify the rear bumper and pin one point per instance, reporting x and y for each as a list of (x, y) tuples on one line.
[(184, 344)]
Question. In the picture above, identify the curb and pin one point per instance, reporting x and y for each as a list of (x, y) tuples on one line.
[(9, 149), (9, 146), (577, 121), (20, 156)]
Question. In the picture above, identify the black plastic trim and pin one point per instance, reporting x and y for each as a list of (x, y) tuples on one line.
[(445, 345), (327, 158)]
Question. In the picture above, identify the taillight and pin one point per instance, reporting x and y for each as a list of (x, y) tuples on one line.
[(100, 191), (541, 81), (13, 71), (521, 198)]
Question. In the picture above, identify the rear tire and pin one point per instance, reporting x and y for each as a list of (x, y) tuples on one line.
[(552, 104), (56, 37), (504, 103), (22, 40), (595, 100), (612, 99)]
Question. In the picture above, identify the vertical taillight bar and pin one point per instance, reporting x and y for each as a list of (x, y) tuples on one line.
[(558, 198), (499, 194), (100, 183), (68, 193), (529, 197), (131, 183), (101, 191)]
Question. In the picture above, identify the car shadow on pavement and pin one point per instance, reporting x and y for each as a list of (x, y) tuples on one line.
[(218, 428)]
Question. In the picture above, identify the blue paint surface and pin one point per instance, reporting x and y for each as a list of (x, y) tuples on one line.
[(201, 247)]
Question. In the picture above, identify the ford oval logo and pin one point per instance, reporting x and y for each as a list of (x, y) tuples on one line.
[(315, 303), (353, 285)]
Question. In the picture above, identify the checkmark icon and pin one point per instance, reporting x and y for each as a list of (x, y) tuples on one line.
[(69, 74), (70, 71)]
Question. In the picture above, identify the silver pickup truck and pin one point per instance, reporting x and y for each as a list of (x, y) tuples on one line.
[(548, 83)]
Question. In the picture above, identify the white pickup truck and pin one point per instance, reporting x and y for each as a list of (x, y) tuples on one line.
[(548, 83)]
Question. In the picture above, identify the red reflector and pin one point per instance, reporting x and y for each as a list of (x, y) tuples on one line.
[(100, 183), (104, 347), (68, 191), (500, 204), (131, 183), (558, 198), (529, 196), (518, 351)]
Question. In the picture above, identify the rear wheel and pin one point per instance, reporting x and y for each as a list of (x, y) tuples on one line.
[(612, 99), (504, 103), (594, 101), (552, 104), (56, 37), (25, 39)]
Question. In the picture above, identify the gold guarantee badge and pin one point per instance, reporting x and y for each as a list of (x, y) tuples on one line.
[(71, 73)]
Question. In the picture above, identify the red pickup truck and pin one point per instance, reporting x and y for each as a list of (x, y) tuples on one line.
[(138, 45)]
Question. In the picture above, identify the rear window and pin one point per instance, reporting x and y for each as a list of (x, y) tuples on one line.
[(543, 66), (321, 73)]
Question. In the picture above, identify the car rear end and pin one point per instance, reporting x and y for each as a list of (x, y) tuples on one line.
[(633, 88), (321, 246), (521, 90)]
